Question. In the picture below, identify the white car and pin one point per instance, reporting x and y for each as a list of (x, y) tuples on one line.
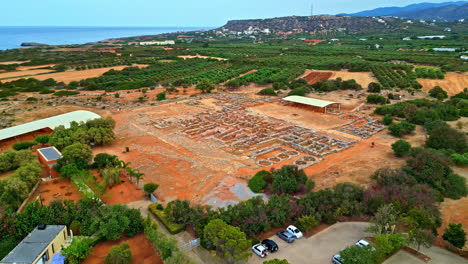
[(260, 250), (362, 243), (293, 230)]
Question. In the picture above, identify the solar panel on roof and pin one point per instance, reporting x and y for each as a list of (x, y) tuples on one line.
[(50, 153)]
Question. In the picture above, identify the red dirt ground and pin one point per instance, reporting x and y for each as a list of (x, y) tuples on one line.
[(356, 164), (122, 193), (142, 251), (61, 188), (314, 77)]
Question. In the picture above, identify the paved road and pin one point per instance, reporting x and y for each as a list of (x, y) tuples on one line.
[(318, 248), (437, 254)]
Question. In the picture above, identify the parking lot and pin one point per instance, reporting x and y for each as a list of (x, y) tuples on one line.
[(318, 248), (437, 255)]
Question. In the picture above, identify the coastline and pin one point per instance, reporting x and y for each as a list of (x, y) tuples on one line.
[(13, 37)]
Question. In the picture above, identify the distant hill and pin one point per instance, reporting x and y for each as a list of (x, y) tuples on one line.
[(329, 24), (444, 13), (411, 11)]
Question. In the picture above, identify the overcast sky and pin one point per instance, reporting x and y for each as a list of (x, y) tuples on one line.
[(179, 13)]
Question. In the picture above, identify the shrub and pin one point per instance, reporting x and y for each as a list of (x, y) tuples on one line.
[(438, 92), (455, 235), (445, 137), (288, 179), (387, 120), (376, 99), (401, 148), (267, 91), (257, 183), (307, 222), (402, 128), (24, 145), (66, 93), (298, 91), (78, 250), (150, 187), (358, 255), (161, 96), (43, 139), (172, 227), (119, 255), (374, 87), (459, 159)]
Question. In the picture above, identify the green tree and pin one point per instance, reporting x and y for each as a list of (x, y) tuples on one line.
[(119, 255), (307, 222), (288, 179), (402, 128), (257, 183), (387, 120), (103, 160), (229, 242), (43, 139), (455, 235), (150, 188), (419, 237), (78, 250), (385, 220), (161, 96), (374, 87), (77, 153), (111, 176), (205, 85), (401, 148), (23, 145), (358, 255), (69, 170), (135, 173), (438, 92)]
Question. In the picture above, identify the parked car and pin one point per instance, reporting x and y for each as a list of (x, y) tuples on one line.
[(336, 259), (260, 250), (270, 245), (286, 236), (295, 231), (362, 243)]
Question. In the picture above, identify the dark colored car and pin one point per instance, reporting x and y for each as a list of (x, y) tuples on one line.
[(286, 236), (270, 245)]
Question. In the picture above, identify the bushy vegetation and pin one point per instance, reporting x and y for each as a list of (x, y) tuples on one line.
[(15, 188), (259, 181), (376, 99), (429, 73), (401, 148), (420, 111), (92, 217), (24, 145), (172, 227), (402, 128), (267, 91), (334, 85), (95, 132), (438, 92)]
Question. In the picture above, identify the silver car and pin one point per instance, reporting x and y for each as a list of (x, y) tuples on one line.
[(286, 236)]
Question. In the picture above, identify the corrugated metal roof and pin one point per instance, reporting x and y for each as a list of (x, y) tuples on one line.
[(33, 245), (50, 122), (308, 101)]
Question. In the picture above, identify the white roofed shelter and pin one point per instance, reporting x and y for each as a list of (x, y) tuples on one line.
[(50, 122), (317, 105)]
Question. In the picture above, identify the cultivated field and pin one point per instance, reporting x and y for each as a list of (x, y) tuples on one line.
[(9, 76), (363, 78), (65, 77), (453, 83)]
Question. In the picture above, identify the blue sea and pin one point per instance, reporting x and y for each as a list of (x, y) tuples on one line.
[(12, 37)]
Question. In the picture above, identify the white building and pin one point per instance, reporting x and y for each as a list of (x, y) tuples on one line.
[(158, 43), (432, 37), (445, 49), (464, 57)]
